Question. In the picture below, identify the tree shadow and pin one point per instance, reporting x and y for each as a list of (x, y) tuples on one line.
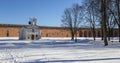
[(81, 44), (32, 44), (66, 61), (83, 40)]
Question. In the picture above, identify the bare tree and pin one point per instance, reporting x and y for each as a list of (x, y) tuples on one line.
[(67, 21), (110, 20), (72, 18), (93, 15), (110, 26), (115, 11), (108, 13), (118, 15)]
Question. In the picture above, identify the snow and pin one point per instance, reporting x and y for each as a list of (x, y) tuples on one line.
[(58, 50)]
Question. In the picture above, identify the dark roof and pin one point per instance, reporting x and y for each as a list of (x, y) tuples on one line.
[(11, 25), (48, 27), (21, 25)]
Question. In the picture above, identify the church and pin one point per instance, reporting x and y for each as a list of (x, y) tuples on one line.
[(30, 32)]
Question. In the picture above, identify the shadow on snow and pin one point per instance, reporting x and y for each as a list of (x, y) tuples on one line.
[(66, 61), (49, 43)]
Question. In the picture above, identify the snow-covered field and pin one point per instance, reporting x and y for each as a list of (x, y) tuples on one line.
[(58, 50)]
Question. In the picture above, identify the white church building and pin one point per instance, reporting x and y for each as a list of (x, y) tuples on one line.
[(31, 31)]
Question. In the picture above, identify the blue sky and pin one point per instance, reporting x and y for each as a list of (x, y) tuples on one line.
[(47, 12)]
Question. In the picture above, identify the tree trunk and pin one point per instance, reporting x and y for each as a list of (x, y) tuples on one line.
[(72, 34), (101, 31), (72, 37), (76, 37), (103, 8), (109, 33), (94, 34), (119, 33)]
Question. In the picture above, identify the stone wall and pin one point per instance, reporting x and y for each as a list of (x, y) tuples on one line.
[(13, 31), (9, 31)]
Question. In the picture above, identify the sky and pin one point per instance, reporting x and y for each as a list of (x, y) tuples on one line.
[(47, 12)]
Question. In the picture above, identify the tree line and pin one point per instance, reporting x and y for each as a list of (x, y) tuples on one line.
[(103, 14)]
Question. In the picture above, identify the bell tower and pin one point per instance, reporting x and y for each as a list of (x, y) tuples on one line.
[(32, 21)]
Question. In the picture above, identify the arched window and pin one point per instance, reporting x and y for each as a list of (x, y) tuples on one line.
[(80, 33), (99, 34), (66, 35), (36, 35), (111, 34), (89, 34), (85, 33), (115, 33), (47, 35), (7, 33), (32, 30)]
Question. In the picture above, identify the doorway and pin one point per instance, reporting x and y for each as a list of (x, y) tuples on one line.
[(32, 37)]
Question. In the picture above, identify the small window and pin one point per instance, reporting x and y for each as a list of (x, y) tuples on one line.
[(28, 38), (67, 35), (85, 33), (80, 33), (36, 35), (47, 35), (32, 30), (99, 35), (7, 33), (89, 33), (115, 33)]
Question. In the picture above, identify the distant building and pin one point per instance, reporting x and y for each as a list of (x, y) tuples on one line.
[(30, 32)]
